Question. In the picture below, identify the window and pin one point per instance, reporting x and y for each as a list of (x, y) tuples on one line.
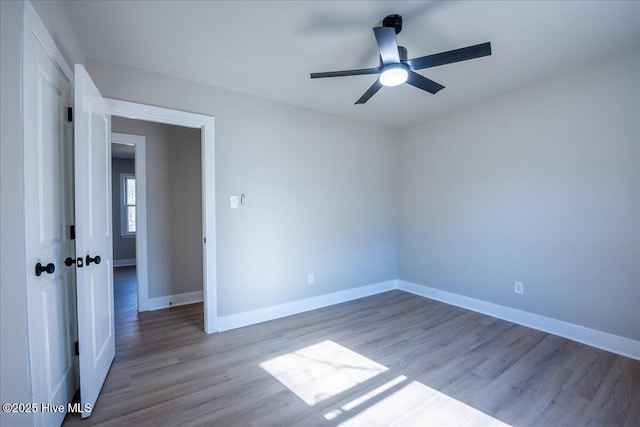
[(128, 205)]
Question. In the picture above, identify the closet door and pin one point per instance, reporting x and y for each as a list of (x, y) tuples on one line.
[(48, 199), (94, 245)]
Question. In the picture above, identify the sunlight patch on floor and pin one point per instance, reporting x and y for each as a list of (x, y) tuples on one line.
[(322, 370), (418, 404), (326, 369), (365, 397)]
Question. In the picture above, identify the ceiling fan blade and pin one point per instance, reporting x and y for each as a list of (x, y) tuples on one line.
[(423, 83), (370, 92), (451, 56), (345, 73), (386, 39)]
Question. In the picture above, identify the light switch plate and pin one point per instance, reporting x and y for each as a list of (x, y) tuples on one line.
[(233, 202)]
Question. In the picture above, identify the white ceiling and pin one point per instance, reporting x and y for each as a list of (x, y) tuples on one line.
[(268, 48)]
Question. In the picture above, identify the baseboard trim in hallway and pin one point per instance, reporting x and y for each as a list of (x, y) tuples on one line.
[(158, 303)]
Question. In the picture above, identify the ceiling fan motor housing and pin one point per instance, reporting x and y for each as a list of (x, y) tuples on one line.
[(393, 21)]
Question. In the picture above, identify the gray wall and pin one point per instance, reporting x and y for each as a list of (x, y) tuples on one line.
[(541, 186), (52, 13), (174, 205), (321, 191), (124, 248), (16, 384), (184, 170)]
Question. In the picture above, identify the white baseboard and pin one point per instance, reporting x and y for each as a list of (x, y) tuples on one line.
[(294, 307), (613, 343), (159, 303), (124, 262)]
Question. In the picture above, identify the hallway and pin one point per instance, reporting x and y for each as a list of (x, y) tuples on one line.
[(144, 333), (141, 339)]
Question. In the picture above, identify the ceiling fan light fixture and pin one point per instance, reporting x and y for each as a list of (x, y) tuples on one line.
[(394, 75), (396, 68)]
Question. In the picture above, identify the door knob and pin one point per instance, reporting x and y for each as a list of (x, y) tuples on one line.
[(95, 259), (69, 261), (49, 268)]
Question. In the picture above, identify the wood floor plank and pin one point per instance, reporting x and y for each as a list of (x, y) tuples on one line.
[(526, 388), (442, 365), (618, 395), (565, 409), (592, 367), (517, 341)]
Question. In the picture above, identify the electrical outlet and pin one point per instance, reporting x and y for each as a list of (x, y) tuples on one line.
[(310, 279), (518, 287)]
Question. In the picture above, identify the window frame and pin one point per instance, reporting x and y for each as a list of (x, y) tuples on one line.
[(123, 205)]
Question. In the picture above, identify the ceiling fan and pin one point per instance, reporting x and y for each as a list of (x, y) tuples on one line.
[(395, 68)]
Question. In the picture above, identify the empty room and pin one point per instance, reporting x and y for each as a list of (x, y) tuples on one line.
[(416, 213)]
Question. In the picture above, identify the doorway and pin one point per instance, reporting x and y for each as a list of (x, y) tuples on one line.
[(206, 124), (124, 201), (166, 226), (130, 234), (123, 197)]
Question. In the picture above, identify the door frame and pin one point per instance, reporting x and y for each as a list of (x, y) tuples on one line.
[(206, 124), (142, 272)]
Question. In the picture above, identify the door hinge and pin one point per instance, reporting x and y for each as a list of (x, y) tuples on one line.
[(77, 348), (72, 232), (205, 240), (69, 114)]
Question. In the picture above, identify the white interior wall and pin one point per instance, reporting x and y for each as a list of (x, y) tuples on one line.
[(541, 186), (320, 191)]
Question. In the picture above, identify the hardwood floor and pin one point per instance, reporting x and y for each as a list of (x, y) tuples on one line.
[(393, 358)]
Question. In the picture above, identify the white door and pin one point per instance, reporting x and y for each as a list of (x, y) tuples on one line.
[(48, 197), (94, 249)]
